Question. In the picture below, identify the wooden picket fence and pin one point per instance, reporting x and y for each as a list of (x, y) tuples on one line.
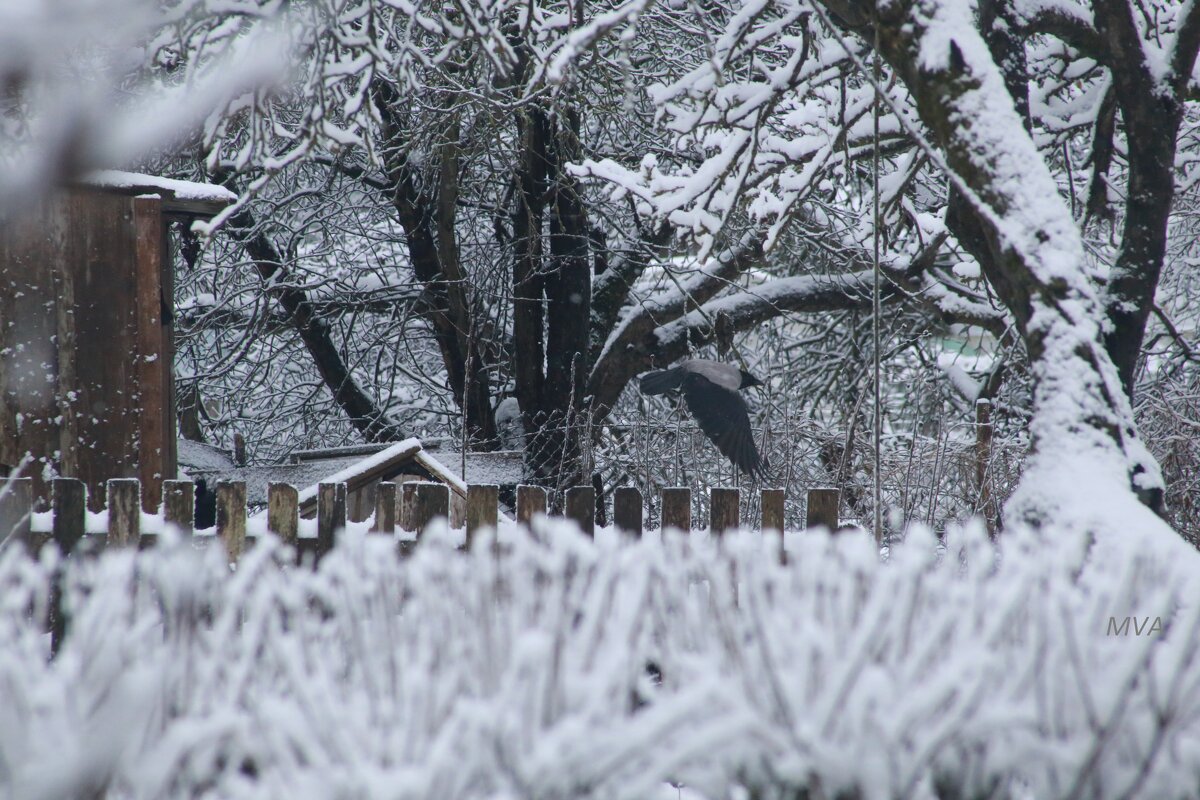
[(409, 507)]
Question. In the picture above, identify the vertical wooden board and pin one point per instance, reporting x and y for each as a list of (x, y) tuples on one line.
[(69, 504), (360, 503), (627, 509), (430, 501), (29, 410), (102, 255), (69, 507), (677, 509), (385, 508), (724, 510), (231, 518), (283, 512), (482, 508), (16, 508), (68, 402), (823, 508), (124, 512), (151, 395), (773, 510), (531, 500), (167, 362), (581, 508), (179, 504), (331, 515), (407, 500), (458, 510)]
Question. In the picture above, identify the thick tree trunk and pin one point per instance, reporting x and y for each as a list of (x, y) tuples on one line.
[(1083, 420), (551, 345), (1151, 113), (428, 217)]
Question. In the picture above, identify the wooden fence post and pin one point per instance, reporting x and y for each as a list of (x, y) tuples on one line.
[(283, 512), (385, 508), (983, 460), (677, 509), (773, 508), (124, 512), (68, 500), (724, 510), (231, 518), (179, 505), (482, 512), (581, 507), (404, 507), (331, 515), (627, 510), (430, 500), (823, 508), (530, 500), (16, 509)]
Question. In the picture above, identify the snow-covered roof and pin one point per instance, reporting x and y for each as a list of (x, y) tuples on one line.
[(361, 464), (364, 470), (185, 197), (195, 457)]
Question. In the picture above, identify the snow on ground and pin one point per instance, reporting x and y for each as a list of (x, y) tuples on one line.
[(1053, 667)]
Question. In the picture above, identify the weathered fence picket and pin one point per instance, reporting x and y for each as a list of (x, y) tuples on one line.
[(627, 510), (677, 508), (772, 510), (823, 508), (724, 509), (531, 500), (385, 508), (231, 518), (483, 504), (331, 515), (124, 512), (429, 501), (179, 504), (283, 512), (580, 506), (69, 504)]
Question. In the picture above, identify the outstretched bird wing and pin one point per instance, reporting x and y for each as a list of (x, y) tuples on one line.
[(723, 418)]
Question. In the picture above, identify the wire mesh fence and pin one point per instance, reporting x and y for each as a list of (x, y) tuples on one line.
[(951, 473)]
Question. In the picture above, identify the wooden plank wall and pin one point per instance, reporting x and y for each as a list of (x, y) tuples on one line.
[(85, 379)]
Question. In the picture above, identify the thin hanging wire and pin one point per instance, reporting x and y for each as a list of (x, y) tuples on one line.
[(875, 299)]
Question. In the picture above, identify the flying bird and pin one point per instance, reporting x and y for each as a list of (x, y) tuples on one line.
[(710, 389)]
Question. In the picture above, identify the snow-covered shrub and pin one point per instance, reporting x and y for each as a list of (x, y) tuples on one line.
[(570, 669)]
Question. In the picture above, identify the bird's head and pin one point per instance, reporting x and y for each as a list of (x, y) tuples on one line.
[(749, 380)]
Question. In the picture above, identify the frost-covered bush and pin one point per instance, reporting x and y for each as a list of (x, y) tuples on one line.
[(570, 669)]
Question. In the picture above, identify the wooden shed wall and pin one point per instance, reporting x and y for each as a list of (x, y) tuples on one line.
[(85, 371)]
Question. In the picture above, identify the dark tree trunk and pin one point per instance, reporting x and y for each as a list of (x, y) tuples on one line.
[(1151, 115), (552, 356), (428, 216)]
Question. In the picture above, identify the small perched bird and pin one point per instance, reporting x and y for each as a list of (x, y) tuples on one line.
[(710, 389)]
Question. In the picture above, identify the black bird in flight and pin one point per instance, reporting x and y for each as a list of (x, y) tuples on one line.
[(711, 391)]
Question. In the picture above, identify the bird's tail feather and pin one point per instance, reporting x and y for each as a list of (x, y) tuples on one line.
[(661, 381)]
